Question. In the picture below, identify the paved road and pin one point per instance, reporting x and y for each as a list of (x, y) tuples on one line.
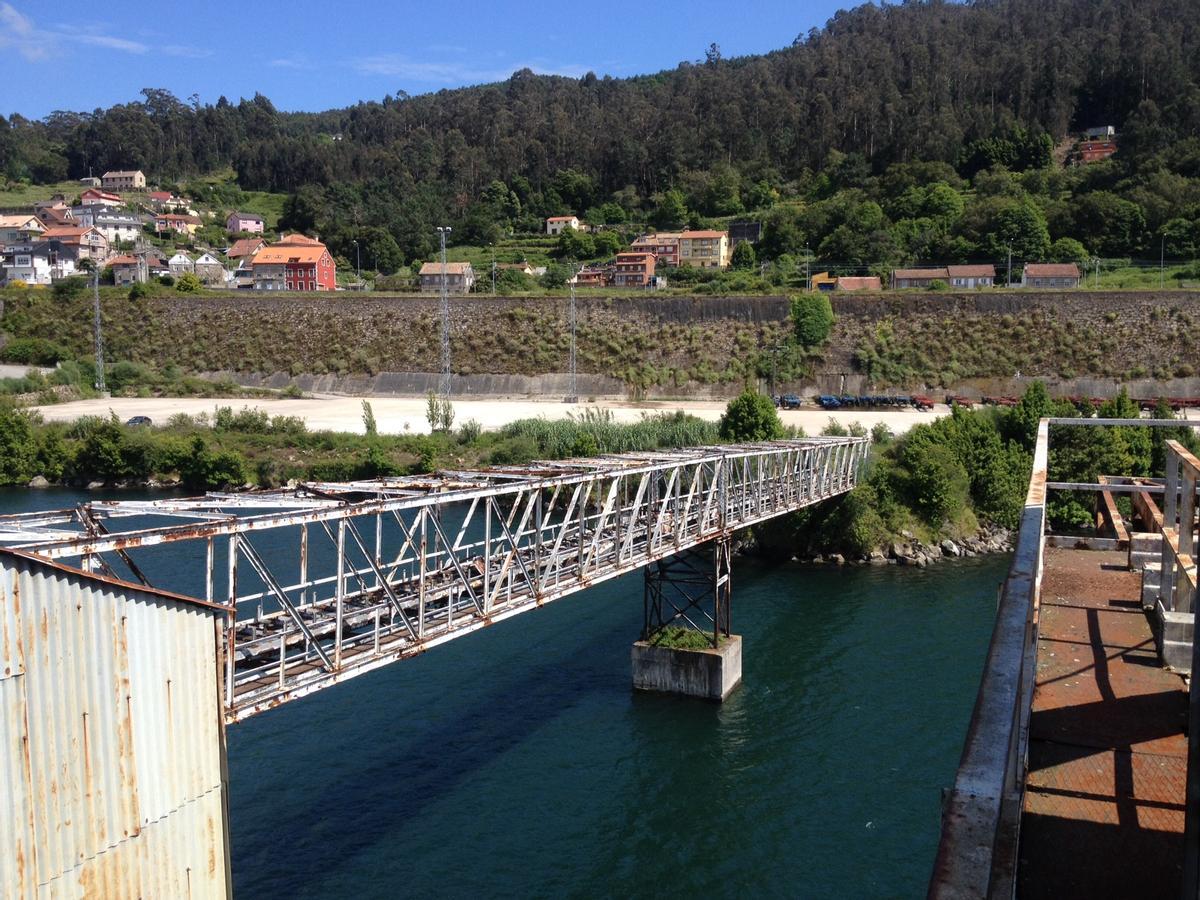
[(396, 415)]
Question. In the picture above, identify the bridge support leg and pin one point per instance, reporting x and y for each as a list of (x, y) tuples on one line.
[(686, 645)]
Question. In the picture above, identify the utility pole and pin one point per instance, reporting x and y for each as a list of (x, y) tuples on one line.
[(99, 382), (1097, 282), (807, 276), (358, 262), (444, 230), (493, 271), (1162, 261), (574, 396), (1008, 277)]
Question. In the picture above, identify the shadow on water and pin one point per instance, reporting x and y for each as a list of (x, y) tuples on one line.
[(385, 779)]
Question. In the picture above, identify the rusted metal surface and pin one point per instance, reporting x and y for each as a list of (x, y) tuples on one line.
[(112, 753), (972, 860), (1104, 802)]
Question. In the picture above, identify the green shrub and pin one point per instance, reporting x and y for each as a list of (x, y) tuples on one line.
[(751, 416), (188, 283), (812, 319), (33, 352), (937, 482)]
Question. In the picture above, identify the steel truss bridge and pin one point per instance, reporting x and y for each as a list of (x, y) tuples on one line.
[(322, 582)]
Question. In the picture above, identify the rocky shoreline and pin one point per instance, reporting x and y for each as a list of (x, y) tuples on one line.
[(908, 551)]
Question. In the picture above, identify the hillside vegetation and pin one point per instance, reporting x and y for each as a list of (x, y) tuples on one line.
[(919, 132), (903, 341)]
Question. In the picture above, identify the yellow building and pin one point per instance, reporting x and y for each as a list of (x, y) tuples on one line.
[(822, 281), (704, 249)]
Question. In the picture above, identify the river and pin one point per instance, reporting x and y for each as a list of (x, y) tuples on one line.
[(518, 762)]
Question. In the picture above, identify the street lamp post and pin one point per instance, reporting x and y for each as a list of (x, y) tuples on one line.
[(442, 231)]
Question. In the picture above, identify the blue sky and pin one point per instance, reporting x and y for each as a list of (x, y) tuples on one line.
[(316, 55)]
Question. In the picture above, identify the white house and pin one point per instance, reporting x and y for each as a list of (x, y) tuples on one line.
[(181, 264), (558, 224), (117, 226), (43, 262)]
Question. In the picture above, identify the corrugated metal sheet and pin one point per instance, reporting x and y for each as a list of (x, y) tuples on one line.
[(111, 742)]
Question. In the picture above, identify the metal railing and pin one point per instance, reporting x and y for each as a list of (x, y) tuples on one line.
[(338, 579), (981, 813)]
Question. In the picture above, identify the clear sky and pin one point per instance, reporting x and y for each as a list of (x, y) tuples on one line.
[(309, 55)]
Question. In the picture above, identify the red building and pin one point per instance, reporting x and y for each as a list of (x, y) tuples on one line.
[(634, 270), (296, 263)]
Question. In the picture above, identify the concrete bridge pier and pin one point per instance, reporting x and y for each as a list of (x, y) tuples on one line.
[(686, 645)]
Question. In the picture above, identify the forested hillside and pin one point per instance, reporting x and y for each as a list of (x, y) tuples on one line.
[(879, 126)]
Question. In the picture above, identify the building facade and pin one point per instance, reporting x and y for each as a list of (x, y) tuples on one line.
[(19, 229), (905, 279), (664, 246), (128, 270), (704, 249), (1050, 275), (296, 263), (559, 224), (125, 227), (247, 222), (971, 277), (460, 277), (634, 270), (123, 181), (97, 197)]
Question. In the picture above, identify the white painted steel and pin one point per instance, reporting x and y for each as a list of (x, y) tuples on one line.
[(529, 535)]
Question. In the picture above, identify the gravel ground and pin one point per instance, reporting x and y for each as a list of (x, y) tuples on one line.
[(397, 414)]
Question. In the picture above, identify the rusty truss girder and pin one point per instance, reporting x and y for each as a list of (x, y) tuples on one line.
[(409, 563)]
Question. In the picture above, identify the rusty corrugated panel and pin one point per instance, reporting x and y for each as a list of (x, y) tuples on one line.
[(112, 739)]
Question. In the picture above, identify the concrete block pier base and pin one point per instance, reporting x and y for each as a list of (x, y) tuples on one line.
[(711, 674)]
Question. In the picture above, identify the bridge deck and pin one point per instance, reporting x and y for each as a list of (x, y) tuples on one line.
[(1104, 803)]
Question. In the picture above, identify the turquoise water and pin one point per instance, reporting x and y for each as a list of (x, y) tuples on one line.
[(517, 761)]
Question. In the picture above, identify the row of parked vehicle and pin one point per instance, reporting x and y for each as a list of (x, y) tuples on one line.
[(858, 401)]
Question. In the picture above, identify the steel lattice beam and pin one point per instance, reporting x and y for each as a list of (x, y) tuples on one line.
[(406, 575)]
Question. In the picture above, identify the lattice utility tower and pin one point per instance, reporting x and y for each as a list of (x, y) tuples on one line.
[(444, 385)]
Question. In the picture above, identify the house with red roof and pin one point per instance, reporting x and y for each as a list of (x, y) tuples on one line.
[(245, 248), (296, 263), (634, 270), (559, 224), (704, 249), (1050, 275), (97, 197)]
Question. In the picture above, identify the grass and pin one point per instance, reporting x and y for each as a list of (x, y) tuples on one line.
[(17, 193)]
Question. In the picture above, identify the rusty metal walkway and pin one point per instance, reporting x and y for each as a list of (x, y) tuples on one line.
[(1107, 744), (327, 581)]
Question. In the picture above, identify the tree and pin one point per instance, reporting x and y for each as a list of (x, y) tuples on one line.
[(742, 256), (750, 416), (937, 482), (812, 319), (188, 283), (671, 210), (1068, 250)]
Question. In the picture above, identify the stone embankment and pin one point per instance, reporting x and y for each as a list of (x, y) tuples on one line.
[(909, 551)]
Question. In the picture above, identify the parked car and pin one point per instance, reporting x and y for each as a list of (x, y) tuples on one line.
[(136, 421), (789, 401)]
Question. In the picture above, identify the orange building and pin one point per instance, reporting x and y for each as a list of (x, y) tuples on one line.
[(296, 263), (634, 270)]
